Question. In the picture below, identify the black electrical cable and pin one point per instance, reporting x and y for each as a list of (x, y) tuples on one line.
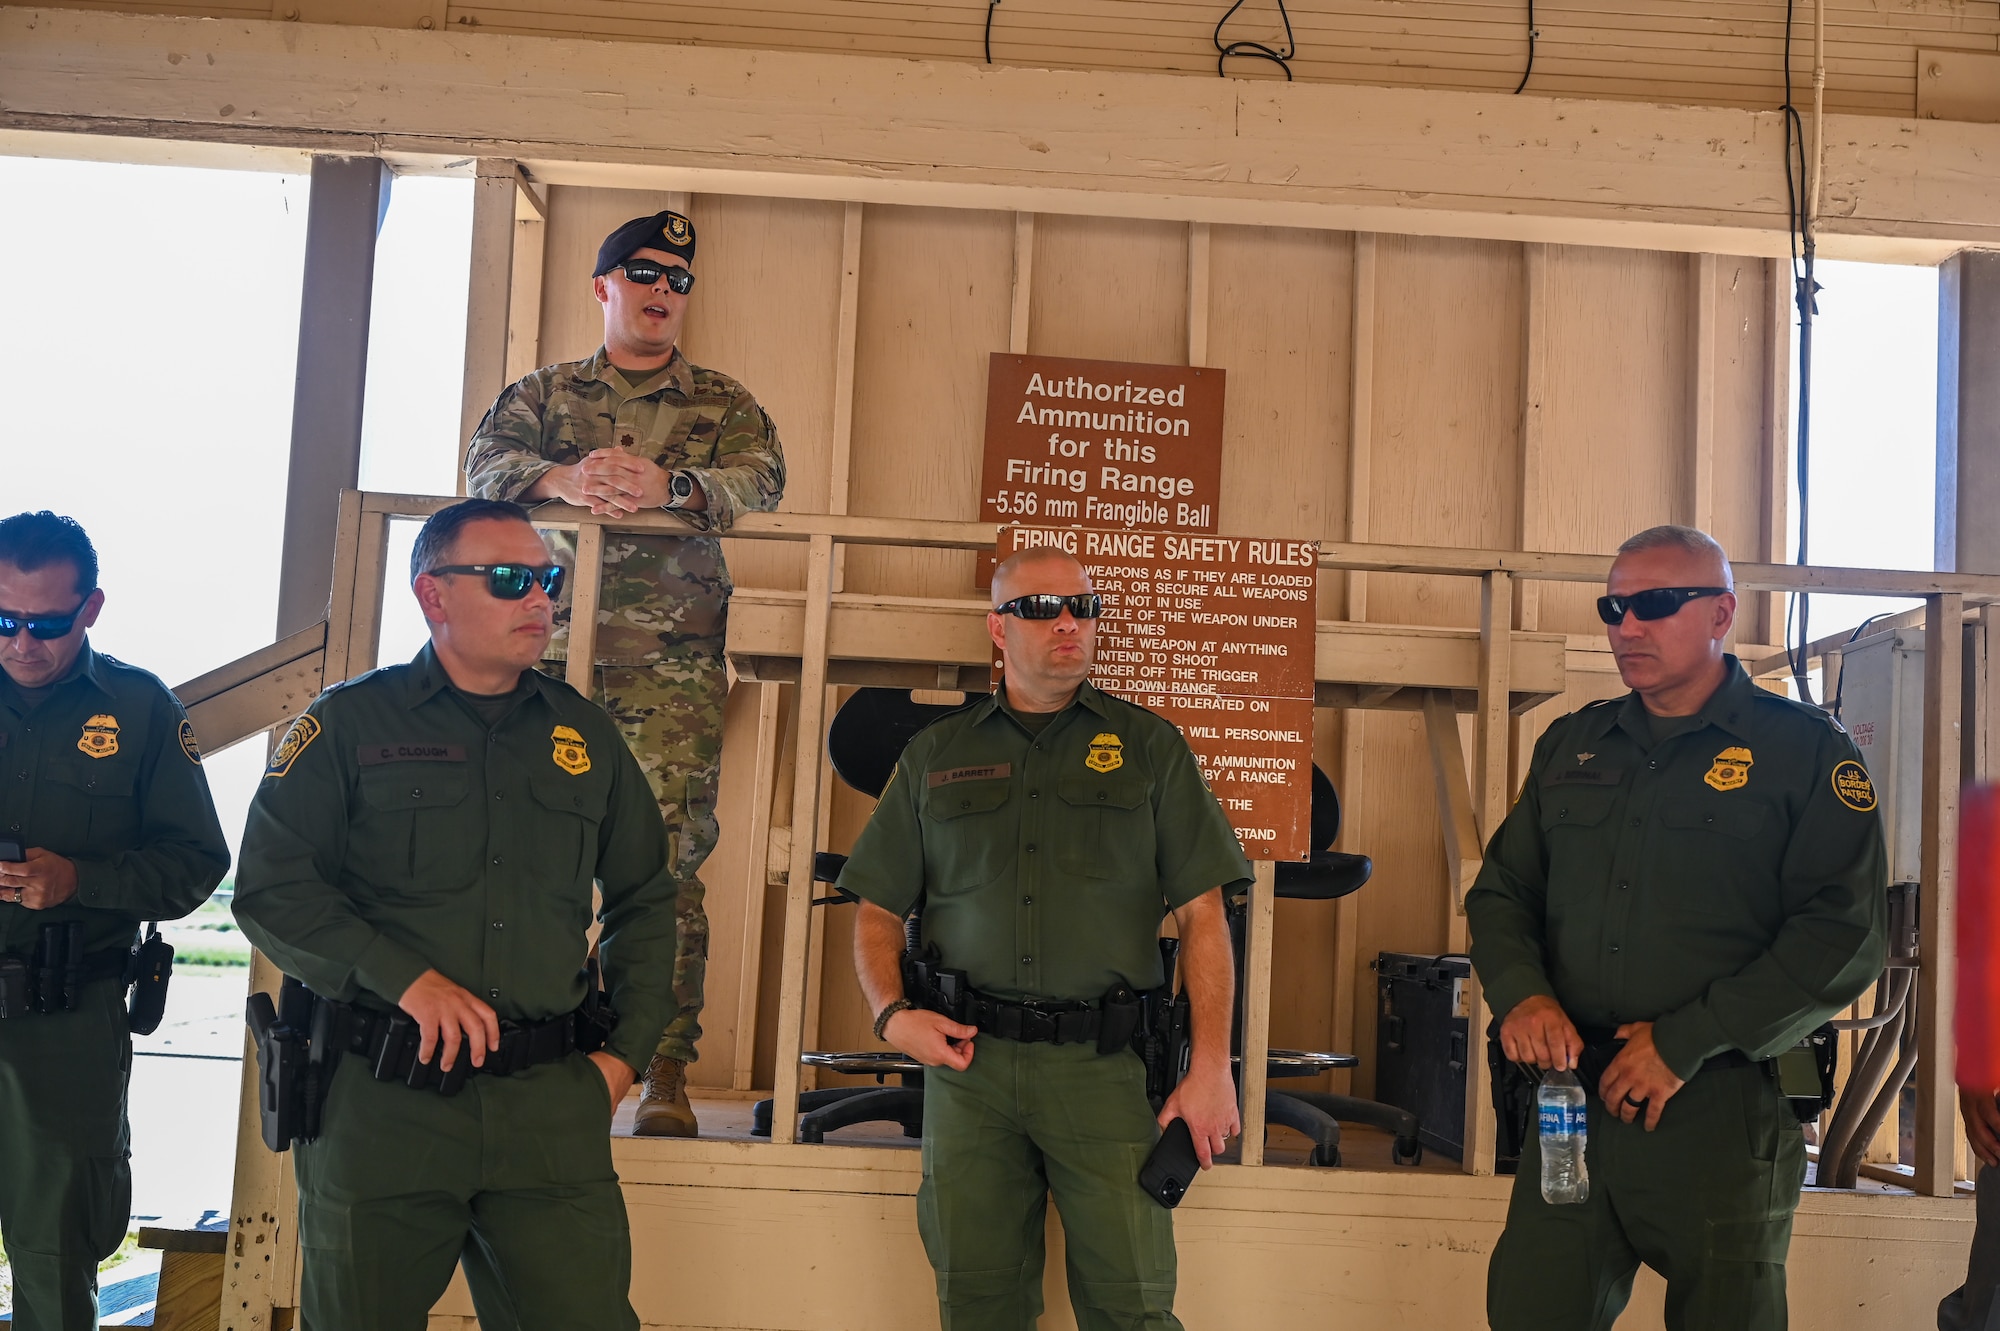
[(1256, 50), (1532, 34), (990, 6), (1804, 296), (1840, 685)]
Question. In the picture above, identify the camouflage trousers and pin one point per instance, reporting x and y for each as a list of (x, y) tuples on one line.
[(670, 713)]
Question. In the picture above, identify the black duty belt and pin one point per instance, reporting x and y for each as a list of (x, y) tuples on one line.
[(389, 1041), (1601, 1044), (1111, 1023), (1035, 1023), (41, 984)]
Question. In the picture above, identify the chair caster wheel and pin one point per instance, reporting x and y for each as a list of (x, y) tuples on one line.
[(1409, 1152), (1327, 1156)]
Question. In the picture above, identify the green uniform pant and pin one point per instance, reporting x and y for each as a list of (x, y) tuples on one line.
[(512, 1176), (65, 1167), (1706, 1199), (1024, 1122), (670, 713)]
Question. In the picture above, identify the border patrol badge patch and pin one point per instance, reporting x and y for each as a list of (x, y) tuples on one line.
[(1731, 770), (189, 745), (571, 754), (303, 732), (100, 736), (1852, 786), (1107, 753)]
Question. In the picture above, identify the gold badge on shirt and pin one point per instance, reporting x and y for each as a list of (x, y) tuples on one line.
[(100, 736), (1731, 770), (1107, 753), (571, 755), (189, 745)]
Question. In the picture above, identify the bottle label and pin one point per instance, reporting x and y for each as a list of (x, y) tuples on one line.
[(1560, 1120)]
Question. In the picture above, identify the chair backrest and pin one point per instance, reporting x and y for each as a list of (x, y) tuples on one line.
[(871, 730)]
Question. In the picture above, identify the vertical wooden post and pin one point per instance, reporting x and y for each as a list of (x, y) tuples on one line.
[(1197, 294), (750, 978), (1528, 510), (1701, 404), (1936, 1098), (524, 291), (1024, 282), (1456, 814), (805, 816), (1360, 450), (1257, 1007), (489, 289), (587, 584), (371, 557), (1777, 438), (1491, 732)]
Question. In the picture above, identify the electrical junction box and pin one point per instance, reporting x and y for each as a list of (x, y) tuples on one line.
[(1881, 693)]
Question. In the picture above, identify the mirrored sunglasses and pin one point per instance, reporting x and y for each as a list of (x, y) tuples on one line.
[(1653, 603), (646, 272), (1047, 605), (44, 627), (510, 582)]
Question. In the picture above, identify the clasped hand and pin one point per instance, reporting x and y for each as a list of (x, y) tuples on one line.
[(1539, 1033), (451, 1021)]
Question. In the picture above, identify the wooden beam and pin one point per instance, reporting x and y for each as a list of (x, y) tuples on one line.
[(1777, 435), (1353, 764), (585, 588), (1456, 814), (524, 290), (1257, 1007), (950, 134), (1024, 283), (750, 976), (1492, 729), (489, 290), (1529, 508), (1937, 980), (805, 815), (1701, 394), (1197, 294)]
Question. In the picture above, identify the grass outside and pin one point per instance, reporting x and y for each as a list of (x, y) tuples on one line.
[(209, 938)]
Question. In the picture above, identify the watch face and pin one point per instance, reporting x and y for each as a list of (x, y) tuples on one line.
[(683, 486)]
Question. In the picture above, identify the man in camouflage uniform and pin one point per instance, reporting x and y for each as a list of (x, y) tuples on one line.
[(637, 427)]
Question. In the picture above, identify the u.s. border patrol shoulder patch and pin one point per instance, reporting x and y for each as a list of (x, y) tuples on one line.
[(571, 754), (189, 745), (1852, 786), (1107, 753), (303, 732), (1731, 769), (100, 736)]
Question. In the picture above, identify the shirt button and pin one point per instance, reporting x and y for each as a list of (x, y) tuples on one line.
[(1624, 887), (493, 993), (499, 794), (496, 924), (1027, 901), (417, 793), (1027, 961), (1100, 794), (1614, 947), (1635, 822), (1034, 794), (1031, 850), (496, 859), (1653, 765)]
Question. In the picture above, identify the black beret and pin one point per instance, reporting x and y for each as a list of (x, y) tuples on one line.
[(668, 232)]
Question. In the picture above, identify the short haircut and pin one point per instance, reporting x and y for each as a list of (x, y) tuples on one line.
[(1691, 540), (31, 541), (440, 532), (1034, 554)]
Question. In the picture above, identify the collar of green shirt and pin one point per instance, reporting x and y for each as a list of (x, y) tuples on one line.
[(1729, 708), (426, 678), (1086, 694), (679, 374), (84, 668)]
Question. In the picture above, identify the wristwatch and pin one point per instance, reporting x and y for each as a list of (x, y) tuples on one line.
[(680, 489)]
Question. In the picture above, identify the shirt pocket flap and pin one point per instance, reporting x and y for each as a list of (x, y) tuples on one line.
[(1740, 820), (112, 779), (413, 786), (1101, 792), (1576, 806), (585, 799), (962, 797)]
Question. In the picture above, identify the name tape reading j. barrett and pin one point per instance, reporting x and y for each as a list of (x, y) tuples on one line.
[(1217, 634)]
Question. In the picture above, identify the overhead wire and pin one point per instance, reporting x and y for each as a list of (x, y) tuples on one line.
[(1801, 186), (991, 5), (1532, 35), (1256, 50)]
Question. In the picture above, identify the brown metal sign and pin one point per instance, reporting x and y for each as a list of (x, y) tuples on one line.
[(1218, 635), (1101, 443)]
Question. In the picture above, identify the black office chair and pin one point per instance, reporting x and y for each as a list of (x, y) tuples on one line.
[(1327, 876), (867, 737)]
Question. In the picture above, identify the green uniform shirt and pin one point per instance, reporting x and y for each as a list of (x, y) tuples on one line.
[(396, 832), (1726, 884), (1046, 862), (660, 592), (105, 772)]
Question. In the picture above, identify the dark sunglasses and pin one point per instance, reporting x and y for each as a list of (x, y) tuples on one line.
[(510, 582), (646, 272), (1047, 605), (44, 627), (1653, 603)]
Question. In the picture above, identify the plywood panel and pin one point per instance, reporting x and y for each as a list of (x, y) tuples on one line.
[(1618, 424), (1742, 350), (936, 290), (1109, 288)]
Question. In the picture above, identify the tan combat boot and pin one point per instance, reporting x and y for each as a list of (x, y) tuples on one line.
[(665, 1111)]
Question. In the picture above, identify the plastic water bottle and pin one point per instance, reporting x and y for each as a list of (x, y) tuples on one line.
[(1565, 1127)]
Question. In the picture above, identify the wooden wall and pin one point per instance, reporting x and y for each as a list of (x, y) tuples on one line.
[(1518, 395), (1712, 52)]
